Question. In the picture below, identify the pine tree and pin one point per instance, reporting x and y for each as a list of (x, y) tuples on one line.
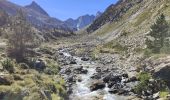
[(159, 31)]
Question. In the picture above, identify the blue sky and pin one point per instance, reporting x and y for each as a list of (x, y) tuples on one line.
[(64, 9)]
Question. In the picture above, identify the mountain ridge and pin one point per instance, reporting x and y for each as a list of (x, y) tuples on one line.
[(82, 21)]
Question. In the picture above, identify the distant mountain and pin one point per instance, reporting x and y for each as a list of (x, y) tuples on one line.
[(36, 7), (38, 17), (82, 21)]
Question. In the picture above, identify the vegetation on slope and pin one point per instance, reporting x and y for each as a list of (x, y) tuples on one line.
[(28, 74)]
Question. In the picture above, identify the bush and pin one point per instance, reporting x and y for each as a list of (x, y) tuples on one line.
[(143, 85), (147, 52), (52, 67), (8, 65)]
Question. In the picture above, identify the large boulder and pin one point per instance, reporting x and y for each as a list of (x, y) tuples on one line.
[(40, 65), (97, 85), (98, 69), (164, 74), (6, 79), (111, 77)]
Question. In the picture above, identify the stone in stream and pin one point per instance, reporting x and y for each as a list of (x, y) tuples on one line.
[(96, 76), (80, 70), (84, 71), (125, 75), (97, 85), (60, 53), (71, 78), (73, 62), (85, 59), (68, 71), (98, 69), (111, 77)]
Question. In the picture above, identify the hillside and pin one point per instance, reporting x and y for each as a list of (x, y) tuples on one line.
[(135, 20)]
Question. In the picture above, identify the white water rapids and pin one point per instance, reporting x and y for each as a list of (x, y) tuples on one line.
[(81, 90)]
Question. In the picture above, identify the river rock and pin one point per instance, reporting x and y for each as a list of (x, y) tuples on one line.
[(113, 91), (60, 53), (84, 71), (85, 59), (80, 70), (73, 62), (98, 69), (71, 78), (115, 78), (97, 85), (79, 79), (96, 76), (106, 79), (125, 75), (67, 71)]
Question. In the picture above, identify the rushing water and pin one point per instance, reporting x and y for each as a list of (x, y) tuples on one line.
[(81, 90)]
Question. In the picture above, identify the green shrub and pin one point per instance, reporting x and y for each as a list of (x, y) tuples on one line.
[(143, 84), (52, 67), (8, 65), (144, 76), (147, 52)]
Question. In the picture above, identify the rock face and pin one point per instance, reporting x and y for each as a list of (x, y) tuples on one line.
[(164, 73), (97, 85), (113, 12), (82, 21)]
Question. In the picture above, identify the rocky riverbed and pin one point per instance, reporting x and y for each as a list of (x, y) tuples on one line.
[(94, 80)]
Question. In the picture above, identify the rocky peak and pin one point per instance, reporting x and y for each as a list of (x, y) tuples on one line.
[(36, 7)]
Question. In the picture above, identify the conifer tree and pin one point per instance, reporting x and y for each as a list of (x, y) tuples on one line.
[(159, 31)]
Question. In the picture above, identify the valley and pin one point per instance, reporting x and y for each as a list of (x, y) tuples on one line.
[(119, 54)]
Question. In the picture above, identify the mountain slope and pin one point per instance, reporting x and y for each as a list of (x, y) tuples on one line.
[(113, 12), (131, 16)]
